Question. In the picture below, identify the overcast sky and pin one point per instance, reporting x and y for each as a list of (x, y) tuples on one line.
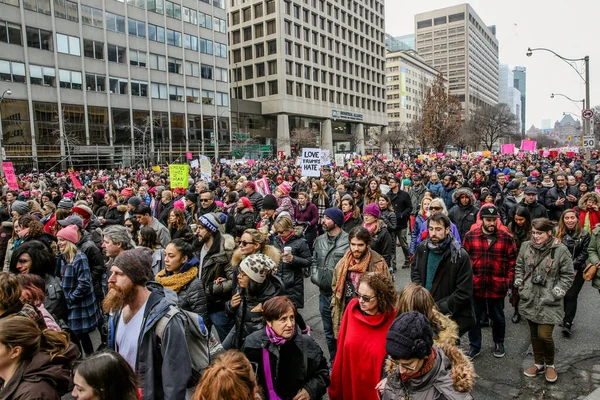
[(569, 28)]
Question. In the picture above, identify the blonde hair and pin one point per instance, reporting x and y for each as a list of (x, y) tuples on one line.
[(69, 252), (257, 237), (284, 223)]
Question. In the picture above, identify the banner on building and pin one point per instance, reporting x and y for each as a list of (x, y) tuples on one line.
[(311, 162), (178, 175)]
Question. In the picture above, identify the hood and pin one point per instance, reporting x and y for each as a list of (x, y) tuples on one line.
[(269, 251), (586, 197), (7, 225), (447, 329), (122, 208), (459, 192), (381, 320), (228, 242), (246, 210)]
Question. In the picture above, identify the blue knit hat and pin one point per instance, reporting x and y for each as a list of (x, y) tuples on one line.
[(210, 222), (336, 215)]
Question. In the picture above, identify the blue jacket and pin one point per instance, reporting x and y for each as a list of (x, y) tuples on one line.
[(435, 188), (419, 222), (164, 368), (446, 195), (453, 230)]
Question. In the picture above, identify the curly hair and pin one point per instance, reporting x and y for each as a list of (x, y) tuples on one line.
[(179, 219), (35, 227), (384, 290)]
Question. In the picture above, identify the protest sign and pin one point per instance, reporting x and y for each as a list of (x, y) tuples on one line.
[(339, 160), (188, 155), (205, 169), (178, 175), (528, 145), (9, 173), (194, 164), (74, 179), (311, 162), (486, 153), (262, 186), (325, 156), (508, 148), (156, 168)]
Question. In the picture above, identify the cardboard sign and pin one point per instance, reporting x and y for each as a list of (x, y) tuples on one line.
[(194, 164), (9, 173), (508, 148), (339, 160), (205, 169), (528, 145), (311, 162), (325, 156), (178, 175)]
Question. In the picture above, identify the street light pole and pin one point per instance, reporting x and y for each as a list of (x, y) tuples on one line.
[(7, 92)]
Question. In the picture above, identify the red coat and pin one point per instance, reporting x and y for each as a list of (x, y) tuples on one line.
[(360, 354), (594, 217), (493, 265)]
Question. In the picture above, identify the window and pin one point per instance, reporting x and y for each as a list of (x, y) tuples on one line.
[(271, 27), (176, 93), (222, 99), (220, 25), (456, 17), (192, 68), (41, 6), (208, 97), (115, 23), (93, 49), (272, 67), (173, 38), (156, 33), (289, 87), (137, 58), (270, 6), (95, 83), (67, 44), (259, 49), (70, 79), (116, 54), (157, 6), (92, 16), (235, 18), (175, 65), (221, 50), (206, 46), (424, 24), (272, 47), (10, 33), (137, 28), (248, 72), (117, 85), (221, 74), (190, 16), (249, 91), (39, 38), (136, 3), (66, 9), (192, 95), (259, 30), (139, 88), (247, 14), (272, 87), (172, 10), (12, 71), (190, 42), (204, 20), (258, 10), (260, 70), (158, 62), (260, 89), (206, 71), (159, 90), (44, 76), (218, 3)]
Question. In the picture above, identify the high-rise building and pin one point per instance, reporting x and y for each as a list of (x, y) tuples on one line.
[(520, 82), (508, 94), (457, 42), (398, 43), (104, 82), (317, 64)]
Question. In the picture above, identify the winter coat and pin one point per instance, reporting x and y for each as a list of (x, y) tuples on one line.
[(578, 247), (536, 210), (423, 233), (6, 230), (95, 262), (291, 273), (416, 194), (247, 321), (553, 195), (256, 200), (41, 378), (191, 296), (446, 194), (402, 207), (76, 281), (115, 215), (164, 237), (308, 216), (389, 219), (592, 215), (289, 372), (328, 251), (183, 233), (285, 205), (165, 367), (543, 303), (414, 235), (435, 188), (594, 255), (493, 263), (384, 243), (244, 219), (451, 378), (454, 293), (463, 216), (217, 264), (55, 302), (353, 222), (508, 208), (163, 216)]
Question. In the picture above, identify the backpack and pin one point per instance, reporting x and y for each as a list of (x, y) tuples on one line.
[(197, 338)]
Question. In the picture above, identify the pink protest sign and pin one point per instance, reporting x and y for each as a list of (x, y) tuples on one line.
[(508, 148), (546, 153), (528, 145), (188, 155), (439, 155), (11, 178), (250, 162), (74, 179)]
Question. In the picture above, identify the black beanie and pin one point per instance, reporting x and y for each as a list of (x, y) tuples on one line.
[(410, 336), (136, 264), (269, 202)]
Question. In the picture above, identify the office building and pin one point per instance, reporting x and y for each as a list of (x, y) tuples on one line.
[(458, 43), (406, 42), (104, 82), (520, 82), (314, 64), (508, 94)]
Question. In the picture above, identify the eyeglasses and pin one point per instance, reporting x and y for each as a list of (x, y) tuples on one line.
[(204, 200), (408, 367), (243, 243), (366, 299), (435, 208)]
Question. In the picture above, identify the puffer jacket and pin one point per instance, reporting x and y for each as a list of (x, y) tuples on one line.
[(452, 378), (244, 219), (95, 262), (327, 253), (115, 215), (536, 210), (217, 264), (291, 273), (389, 219), (435, 188), (446, 194), (593, 216), (543, 303), (288, 369), (191, 297), (55, 302), (594, 255), (463, 216), (578, 247), (414, 235), (416, 194), (384, 243)]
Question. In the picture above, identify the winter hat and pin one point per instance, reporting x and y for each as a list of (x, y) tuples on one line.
[(179, 204), (127, 192), (530, 190), (258, 267), (136, 264), (513, 185), (251, 185), (85, 212), (246, 202), (66, 204), (410, 336), (193, 197), (285, 188), (20, 206), (209, 222), (69, 233), (134, 201), (269, 202), (372, 209), (407, 182), (336, 215)]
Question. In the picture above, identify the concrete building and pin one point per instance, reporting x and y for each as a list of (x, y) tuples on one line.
[(508, 94), (105, 82), (405, 42), (317, 64), (520, 82), (457, 42)]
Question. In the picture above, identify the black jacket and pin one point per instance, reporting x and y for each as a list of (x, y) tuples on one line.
[(291, 274), (453, 295), (55, 302), (95, 262), (537, 210), (385, 244), (463, 216), (289, 370), (578, 247), (402, 206), (352, 223), (244, 219), (553, 195), (217, 264), (114, 216), (191, 297), (163, 217)]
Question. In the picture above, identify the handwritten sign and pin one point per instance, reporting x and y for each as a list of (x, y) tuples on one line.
[(311, 162), (339, 160), (188, 155), (178, 175), (11, 178), (325, 156), (205, 169)]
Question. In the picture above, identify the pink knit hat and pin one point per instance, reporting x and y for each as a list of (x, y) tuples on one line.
[(69, 233), (179, 204), (285, 188)]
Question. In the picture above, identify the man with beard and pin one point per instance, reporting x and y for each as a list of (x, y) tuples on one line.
[(443, 267), (493, 255), (135, 306), (214, 250), (359, 258), (530, 201), (328, 251)]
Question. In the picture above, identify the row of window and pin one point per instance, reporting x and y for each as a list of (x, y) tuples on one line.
[(299, 89), (62, 8), (169, 8), (191, 95)]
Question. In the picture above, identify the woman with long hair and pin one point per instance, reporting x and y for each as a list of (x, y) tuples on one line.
[(352, 216), (307, 219), (34, 364), (133, 226), (571, 234), (358, 195), (178, 227), (589, 211), (148, 238), (383, 241), (419, 221), (319, 197), (373, 192), (105, 376), (543, 275), (520, 229), (230, 376), (33, 293), (388, 215)]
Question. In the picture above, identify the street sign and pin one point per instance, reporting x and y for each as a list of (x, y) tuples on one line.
[(587, 114), (589, 142)]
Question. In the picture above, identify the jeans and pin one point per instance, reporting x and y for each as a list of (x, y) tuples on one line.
[(542, 343), (222, 323), (495, 309), (325, 310), (571, 298)]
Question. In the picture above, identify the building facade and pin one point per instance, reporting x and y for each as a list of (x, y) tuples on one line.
[(405, 42), (508, 94), (314, 64), (101, 82), (520, 82), (456, 41)]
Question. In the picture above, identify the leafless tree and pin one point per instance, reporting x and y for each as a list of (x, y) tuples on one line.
[(299, 138), (490, 124), (441, 116), (243, 145)]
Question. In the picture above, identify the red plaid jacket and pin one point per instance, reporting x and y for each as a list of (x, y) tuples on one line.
[(493, 264)]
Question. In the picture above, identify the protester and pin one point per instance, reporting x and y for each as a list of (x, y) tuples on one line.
[(229, 376), (244, 217), (352, 216), (381, 240), (464, 213), (560, 197), (308, 219), (143, 213), (520, 229), (419, 221), (589, 211), (402, 204), (178, 227)]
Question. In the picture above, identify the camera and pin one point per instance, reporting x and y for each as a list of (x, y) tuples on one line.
[(538, 280)]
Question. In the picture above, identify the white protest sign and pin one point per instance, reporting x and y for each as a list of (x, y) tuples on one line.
[(194, 164), (311, 162), (325, 156), (339, 160), (205, 169)]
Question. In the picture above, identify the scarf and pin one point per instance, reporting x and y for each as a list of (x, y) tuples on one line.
[(372, 228), (547, 184), (23, 233), (539, 251), (348, 216), (347, 263), (440, 248), (176, 282), (273, 337), (428, 366)]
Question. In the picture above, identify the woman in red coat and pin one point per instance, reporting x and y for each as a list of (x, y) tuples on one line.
[(589, 211), (361, 341)]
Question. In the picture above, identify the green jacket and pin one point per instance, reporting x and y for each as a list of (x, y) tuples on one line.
[(594, 255), (543, 303)]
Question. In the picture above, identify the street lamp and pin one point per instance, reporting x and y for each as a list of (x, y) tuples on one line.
[(7, 92), (570, 99)]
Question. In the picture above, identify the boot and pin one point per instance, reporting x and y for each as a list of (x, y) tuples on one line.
[(516, 318)]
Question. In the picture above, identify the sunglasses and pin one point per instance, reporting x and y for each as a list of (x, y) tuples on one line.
[(204, 200), (243, 243), (366, 299), (435, 208)]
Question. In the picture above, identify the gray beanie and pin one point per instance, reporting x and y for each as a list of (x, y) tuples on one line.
[(20, 206), (136, 264), (134, 201), (66, 204)]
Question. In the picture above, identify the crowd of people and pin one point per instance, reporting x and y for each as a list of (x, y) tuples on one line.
[(154, 268)]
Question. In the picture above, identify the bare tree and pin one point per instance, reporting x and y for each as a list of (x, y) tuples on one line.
[(243, 145), (299, 138), (441, 116), (490, 124), (396, 137)]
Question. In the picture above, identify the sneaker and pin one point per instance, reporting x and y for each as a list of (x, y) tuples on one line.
[(499, 350), (534, 371), (516, 318), (473, 353), (566, 330), (551, 375)]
